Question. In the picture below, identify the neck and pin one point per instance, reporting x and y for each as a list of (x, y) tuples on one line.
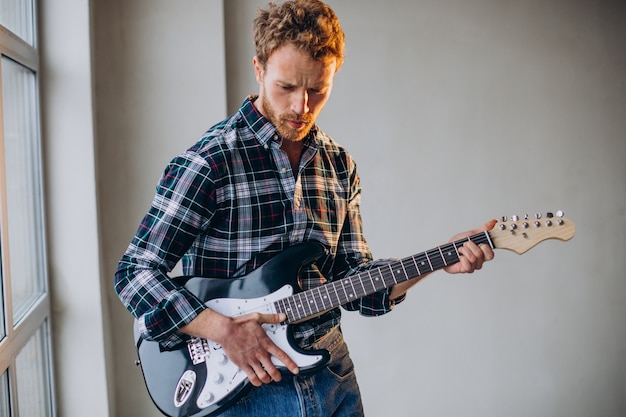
[(293, 149)]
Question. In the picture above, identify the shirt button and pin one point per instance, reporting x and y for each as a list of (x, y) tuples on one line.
[(283, 170)]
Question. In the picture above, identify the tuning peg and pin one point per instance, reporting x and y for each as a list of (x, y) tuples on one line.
[(560, 213), (504, 218), (514, 218), (549, 215), (537, 216)]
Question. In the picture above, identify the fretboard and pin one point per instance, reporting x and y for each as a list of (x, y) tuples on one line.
[(334, 294)]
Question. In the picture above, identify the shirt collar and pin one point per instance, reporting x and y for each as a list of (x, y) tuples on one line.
[(262, 128)]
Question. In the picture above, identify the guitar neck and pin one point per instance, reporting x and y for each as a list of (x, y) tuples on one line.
[(334, 294)]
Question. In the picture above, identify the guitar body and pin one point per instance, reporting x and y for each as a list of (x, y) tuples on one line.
[(197, 379)]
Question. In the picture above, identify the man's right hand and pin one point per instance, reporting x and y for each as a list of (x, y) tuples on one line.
[(245, 342)]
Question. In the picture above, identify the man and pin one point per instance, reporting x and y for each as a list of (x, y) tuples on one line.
[(259, 182)]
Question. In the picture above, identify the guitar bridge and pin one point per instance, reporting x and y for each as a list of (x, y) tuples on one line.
[(198, 349)]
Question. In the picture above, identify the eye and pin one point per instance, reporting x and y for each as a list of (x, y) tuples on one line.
[(286, 87), (317, 92)]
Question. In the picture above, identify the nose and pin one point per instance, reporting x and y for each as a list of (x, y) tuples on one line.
[(300, 102)]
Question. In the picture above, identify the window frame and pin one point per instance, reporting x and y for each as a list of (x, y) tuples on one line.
[(17, 335)]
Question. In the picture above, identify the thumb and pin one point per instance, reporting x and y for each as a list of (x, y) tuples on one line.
[(490, 224)]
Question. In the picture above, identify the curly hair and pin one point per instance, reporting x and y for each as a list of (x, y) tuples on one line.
[(310, 25)]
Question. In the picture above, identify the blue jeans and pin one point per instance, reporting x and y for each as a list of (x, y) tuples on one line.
[(330, 391)]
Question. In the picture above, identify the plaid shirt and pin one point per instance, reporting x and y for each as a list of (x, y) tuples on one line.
[(230, 203)]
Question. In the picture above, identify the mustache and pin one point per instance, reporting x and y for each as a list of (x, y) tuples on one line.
[(304, 118)]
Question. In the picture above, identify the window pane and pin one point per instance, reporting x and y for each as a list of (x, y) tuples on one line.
[(5, 405), (33, 378), (24, 202), (17, 16)]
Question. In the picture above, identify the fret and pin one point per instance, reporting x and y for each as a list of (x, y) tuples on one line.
[(290, 309), (455, 248), (319, 300), (398, 271), (333, 294), (410, 267), (357, 279), (297, 306), (424, 263), (368, 283), (351, 292), (443, 258), (436, 259), (415, 262), (279, 306), (387, 274), (450, 254), (306, 304), (375, 281), (341, 298), (430, 264), (327, 301)]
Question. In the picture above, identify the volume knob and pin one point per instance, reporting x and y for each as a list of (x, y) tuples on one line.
[(206, 399)]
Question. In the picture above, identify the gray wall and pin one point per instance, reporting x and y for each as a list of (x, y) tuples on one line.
[(160, 83), (456, 112)]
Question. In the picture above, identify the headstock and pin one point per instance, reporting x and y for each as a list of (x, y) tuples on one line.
[(521, 234)]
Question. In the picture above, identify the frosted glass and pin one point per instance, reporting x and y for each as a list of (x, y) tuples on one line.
[(26, 270), (33, 378), (18, 17)]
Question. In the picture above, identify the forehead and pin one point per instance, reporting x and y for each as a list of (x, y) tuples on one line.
[(295, 64)]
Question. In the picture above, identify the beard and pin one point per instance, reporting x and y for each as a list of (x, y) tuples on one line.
[(280, 123)]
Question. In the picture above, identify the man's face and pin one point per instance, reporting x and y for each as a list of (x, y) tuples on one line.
[(294, 89)]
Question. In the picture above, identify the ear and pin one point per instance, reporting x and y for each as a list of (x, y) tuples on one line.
[(258, 69)]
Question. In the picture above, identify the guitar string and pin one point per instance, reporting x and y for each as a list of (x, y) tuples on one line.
[(437, 258)]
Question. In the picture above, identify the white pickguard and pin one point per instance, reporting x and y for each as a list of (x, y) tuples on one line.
[(222, 375)]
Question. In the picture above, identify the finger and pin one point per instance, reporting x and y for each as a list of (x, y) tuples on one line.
[(285, 359), (487, 252), (252, 376), (271, 370), (471, 258), (261, 373), (470, 251), (271, 318), (274, 350), (479, 256)]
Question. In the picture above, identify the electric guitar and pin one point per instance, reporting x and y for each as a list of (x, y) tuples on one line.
[(197, 379)]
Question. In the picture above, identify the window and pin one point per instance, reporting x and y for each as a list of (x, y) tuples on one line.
[(25, 359)]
